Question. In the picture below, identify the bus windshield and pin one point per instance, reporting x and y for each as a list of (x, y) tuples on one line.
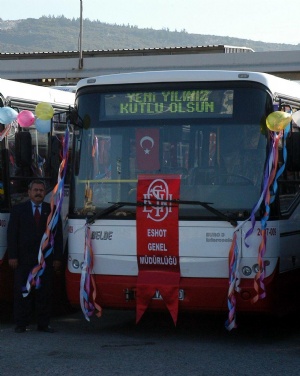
[(209, 134)]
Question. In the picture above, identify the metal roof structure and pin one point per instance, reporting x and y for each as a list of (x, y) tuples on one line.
[(138, 51), (57, 68)]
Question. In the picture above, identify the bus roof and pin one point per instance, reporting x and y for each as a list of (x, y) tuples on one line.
[(68, 88), (12, 90), (273, 83)]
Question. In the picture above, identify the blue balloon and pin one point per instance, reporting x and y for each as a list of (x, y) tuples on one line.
[(7, 115), (43, 126)]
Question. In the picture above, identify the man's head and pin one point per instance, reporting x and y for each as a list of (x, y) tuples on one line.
[(37, 191)]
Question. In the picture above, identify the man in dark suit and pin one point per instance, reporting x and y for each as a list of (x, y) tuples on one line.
[(26, 227)]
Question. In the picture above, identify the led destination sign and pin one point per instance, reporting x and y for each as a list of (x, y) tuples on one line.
[(168, 103)]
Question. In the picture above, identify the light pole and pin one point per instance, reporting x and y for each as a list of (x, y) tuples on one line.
[(80, 38)]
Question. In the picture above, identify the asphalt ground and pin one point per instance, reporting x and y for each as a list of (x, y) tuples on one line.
[(115, 345)]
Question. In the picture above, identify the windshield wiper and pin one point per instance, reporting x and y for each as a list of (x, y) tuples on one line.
[(206, 205), (105, 212)]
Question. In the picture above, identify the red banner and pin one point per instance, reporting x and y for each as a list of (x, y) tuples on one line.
[(158, 242), (147, 149)]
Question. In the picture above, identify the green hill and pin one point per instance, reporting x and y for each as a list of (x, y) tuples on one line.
[(49, 34)]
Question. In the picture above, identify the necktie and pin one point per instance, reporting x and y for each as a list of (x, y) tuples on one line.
[(37, 214)]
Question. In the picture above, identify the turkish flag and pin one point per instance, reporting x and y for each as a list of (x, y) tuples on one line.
[(147, 149)]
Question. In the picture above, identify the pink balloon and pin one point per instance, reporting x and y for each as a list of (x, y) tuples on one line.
[(25, 118)]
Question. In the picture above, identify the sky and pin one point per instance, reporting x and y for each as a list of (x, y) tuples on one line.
[(269, 21)]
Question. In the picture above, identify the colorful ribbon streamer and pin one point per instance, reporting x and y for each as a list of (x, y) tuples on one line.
[(272, 181), (7, 129), (47, 242), (269, 184), (88, 291), (87, 282), (234, 258)]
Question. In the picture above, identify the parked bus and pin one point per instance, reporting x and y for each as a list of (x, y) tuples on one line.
[(169, 195), (25, 154), (68, 88)]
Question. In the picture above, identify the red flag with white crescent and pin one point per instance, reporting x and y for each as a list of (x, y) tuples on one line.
[(147, 149)]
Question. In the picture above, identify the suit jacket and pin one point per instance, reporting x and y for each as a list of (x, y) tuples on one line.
[(24, 236)]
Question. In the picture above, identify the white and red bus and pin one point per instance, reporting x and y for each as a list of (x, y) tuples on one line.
[(170, 179), (26, 154)]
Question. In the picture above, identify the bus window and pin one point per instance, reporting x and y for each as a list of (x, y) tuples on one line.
[(289, 181), (1, 171)]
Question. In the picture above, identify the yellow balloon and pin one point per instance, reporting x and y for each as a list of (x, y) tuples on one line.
[(278, 120), (44, 111)]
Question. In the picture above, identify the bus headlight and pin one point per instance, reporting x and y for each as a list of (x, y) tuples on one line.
[(75, 264), (246, 270)]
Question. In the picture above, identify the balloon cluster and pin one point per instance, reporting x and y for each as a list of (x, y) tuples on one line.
[(42, 118), (278, 120)]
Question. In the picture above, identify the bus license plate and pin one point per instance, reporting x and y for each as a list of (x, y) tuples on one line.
[(157, 295)]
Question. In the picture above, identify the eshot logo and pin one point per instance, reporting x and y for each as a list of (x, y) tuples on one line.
[(157, 200)]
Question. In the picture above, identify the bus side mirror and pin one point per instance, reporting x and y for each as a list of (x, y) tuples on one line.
[(77, 150), (73, 116), (293, 151), (76, 120), (23, 149)]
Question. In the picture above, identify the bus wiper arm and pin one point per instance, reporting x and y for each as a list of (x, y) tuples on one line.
[(106, 211), (206, 205)]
